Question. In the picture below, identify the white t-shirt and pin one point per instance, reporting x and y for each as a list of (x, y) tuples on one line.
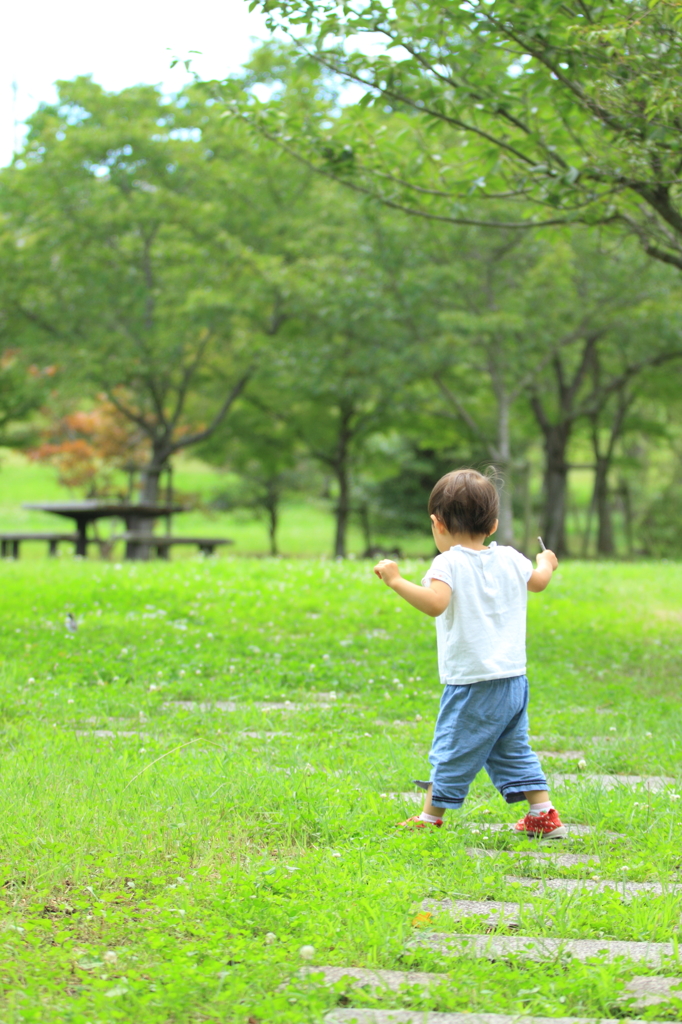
[(482, 632)]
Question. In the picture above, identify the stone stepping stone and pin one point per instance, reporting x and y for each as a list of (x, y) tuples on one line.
[(193, 705), (494, 947), (651, 783), (561, 755), (107, 734), (494, 911), (561, 860), (573, 831), (393, 981), (644, 991), (624, 888), (652, 991), (230, 705), (347, 1016), (264, 735)]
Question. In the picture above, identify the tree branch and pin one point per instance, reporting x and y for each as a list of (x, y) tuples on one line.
[(201, 435)]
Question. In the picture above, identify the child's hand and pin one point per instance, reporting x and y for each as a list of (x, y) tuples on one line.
[(387, 571), (549, 557)]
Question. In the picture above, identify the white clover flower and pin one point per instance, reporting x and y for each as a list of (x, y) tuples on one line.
[(110, 957), (307, 952), (612, 728), (674, 796), (70, 700), (417, 718), (325, 657), (270, 937), (582, 763), (31, 679), (124, 650), (648, 735)]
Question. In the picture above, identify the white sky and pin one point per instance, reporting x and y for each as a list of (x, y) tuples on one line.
[(119, 44)]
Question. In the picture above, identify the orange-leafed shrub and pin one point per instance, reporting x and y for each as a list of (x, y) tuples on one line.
[(88, 446)]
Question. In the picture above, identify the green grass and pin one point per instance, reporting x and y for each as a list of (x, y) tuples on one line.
[(144, 876)]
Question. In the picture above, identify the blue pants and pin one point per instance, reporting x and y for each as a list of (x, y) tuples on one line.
[(484, 725)]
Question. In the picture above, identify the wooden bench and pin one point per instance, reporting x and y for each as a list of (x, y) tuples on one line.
[(10, 542), (162, 544)]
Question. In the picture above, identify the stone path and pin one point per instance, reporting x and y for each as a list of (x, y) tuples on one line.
[(561, 860), (623, 888), (427, 1017), (495, 912), (264, 735), (650, 783), (561, 755), (652, 991), (231, 705), (640, 992), (107, 734), (573, 831), (653, 954)]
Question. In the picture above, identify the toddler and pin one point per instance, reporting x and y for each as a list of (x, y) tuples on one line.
[(478, 596)]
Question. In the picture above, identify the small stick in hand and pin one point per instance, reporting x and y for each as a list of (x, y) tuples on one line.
[(542, 543)]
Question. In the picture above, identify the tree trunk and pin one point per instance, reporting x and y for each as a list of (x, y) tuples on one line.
[(143, 526), (272, 506), (366, 526), (555, 487), (150, 482), (342, 509), (501, 454), (627, 512), (605, 542)]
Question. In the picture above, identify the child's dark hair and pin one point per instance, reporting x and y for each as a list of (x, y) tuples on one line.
[(465, 501)]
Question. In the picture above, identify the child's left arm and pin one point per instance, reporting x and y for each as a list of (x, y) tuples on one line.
[(432, 600)]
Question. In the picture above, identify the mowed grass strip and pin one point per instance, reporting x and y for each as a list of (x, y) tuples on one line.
[(177, 841)]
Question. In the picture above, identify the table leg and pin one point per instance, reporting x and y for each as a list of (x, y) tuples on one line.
[(82, 542)]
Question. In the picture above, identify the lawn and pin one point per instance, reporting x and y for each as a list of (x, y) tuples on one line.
[(164, 859)]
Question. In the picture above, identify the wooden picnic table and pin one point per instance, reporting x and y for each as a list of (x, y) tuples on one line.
[(85, 512)]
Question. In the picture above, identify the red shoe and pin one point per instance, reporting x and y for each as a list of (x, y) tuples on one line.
[(542, 826), (417, 822)]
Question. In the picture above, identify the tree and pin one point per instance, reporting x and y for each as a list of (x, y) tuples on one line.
[(569, 112), (125, 270), (88, 446), (626, 323), (264, 454), (22, 390)]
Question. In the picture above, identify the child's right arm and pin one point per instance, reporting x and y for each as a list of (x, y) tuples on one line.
[(547, 563), (432, 600)]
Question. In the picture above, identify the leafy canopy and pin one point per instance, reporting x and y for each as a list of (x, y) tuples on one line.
[(568, 111)]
